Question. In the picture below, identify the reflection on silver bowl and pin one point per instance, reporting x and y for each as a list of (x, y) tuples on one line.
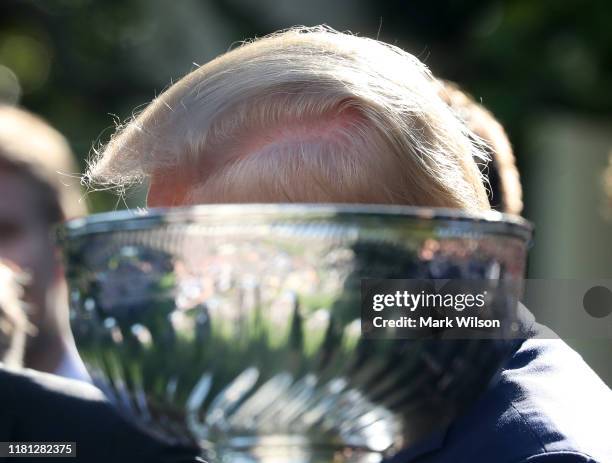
[(237, 327)]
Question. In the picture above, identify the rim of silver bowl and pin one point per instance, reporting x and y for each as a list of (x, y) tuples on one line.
[(486, 222)]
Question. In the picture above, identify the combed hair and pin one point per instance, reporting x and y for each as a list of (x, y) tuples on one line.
[(304, 115)]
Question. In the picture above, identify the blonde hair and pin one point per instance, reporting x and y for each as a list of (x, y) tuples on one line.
[(32, 147), (502, 173), (322, 115)]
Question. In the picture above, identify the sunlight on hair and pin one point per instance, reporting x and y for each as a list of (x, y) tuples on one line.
[(306, 114)]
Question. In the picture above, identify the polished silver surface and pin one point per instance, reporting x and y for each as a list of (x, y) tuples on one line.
[(238, 327)]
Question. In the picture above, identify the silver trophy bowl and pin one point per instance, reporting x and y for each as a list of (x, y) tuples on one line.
[(237, 328)]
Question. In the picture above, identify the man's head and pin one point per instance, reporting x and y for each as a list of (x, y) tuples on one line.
[(35, 193), (305, 115)]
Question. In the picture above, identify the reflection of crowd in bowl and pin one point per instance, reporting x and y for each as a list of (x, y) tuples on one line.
[(471, 258)]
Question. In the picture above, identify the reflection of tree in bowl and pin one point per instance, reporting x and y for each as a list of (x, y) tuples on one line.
[(134, 289)]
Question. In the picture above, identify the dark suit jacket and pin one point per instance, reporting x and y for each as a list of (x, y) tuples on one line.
[(547, 406), (41, 407)]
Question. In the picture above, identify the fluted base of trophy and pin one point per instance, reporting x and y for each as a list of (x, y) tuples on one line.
[(285, 449)]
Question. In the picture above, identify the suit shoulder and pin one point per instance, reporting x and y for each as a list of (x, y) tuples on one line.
[(554, 402), (546, 403), (27, 382)]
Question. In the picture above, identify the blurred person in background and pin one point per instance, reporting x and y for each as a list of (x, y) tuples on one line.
[(502, 176), (312, 115), (41, 407), (36, 169), (37, 406)]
